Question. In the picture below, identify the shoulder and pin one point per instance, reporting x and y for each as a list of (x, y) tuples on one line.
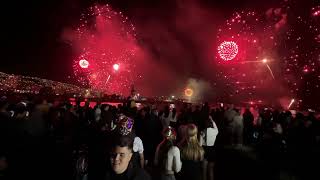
[(174, 150), (137, 140), (137, 145), (212, 131)]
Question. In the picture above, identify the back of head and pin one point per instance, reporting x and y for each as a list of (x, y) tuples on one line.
[(21, 107), (191, 149), (192, 132)]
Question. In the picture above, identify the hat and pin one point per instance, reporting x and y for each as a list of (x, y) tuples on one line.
[(169, 133), (124, 125)]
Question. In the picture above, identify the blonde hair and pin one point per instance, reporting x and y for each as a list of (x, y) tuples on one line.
[(190, 148)]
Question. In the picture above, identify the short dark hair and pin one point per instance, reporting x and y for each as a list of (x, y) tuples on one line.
[(122, 141)]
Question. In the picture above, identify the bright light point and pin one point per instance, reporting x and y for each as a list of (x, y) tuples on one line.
[(83, 63), (116, 67), (292, 101), (228, 50), (172, 97), (188, 92), (264, 60)]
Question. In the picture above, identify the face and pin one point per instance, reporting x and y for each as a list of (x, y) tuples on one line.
[(120, 159)]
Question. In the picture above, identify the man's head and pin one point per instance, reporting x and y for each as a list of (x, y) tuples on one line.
[(121, 153)]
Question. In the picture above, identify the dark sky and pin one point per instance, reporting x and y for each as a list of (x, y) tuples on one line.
[(31, 42)]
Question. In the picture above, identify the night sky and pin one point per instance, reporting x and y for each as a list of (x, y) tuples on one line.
[(177, 36), (31, 30)]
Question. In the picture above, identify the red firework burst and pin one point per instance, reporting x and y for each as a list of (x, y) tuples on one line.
[(228, 50), (188, 92), (83, 63)]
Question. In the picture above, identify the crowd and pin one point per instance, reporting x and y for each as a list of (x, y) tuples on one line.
[(44, 139)]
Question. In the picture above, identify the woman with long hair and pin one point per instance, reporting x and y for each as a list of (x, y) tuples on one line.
[(192, 155), (167, 157)]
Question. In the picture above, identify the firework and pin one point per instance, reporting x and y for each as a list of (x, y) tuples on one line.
[(83, 63), (106, 39), (292, 101), (228, 50), (188, 92), (257, 36), (265, 61), (315, 11)]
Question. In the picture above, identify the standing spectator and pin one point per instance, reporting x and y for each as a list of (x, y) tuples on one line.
[(165, 118), (247, 127), (192, 155), (237, 131), (167, 156), (207, 140), (173, 118)]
